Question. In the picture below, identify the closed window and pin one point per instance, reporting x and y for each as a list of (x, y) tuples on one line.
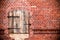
[(18, 21)]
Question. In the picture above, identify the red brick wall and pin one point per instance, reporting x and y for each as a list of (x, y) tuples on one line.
[(45, 15)]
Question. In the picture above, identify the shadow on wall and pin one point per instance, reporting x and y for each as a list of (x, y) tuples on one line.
[(58, 37), (58, 1), (3, 3)]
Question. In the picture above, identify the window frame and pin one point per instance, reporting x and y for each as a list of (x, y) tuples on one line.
[(19, 28)]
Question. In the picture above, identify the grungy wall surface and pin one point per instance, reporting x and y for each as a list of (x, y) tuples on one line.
[(45, 15)]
